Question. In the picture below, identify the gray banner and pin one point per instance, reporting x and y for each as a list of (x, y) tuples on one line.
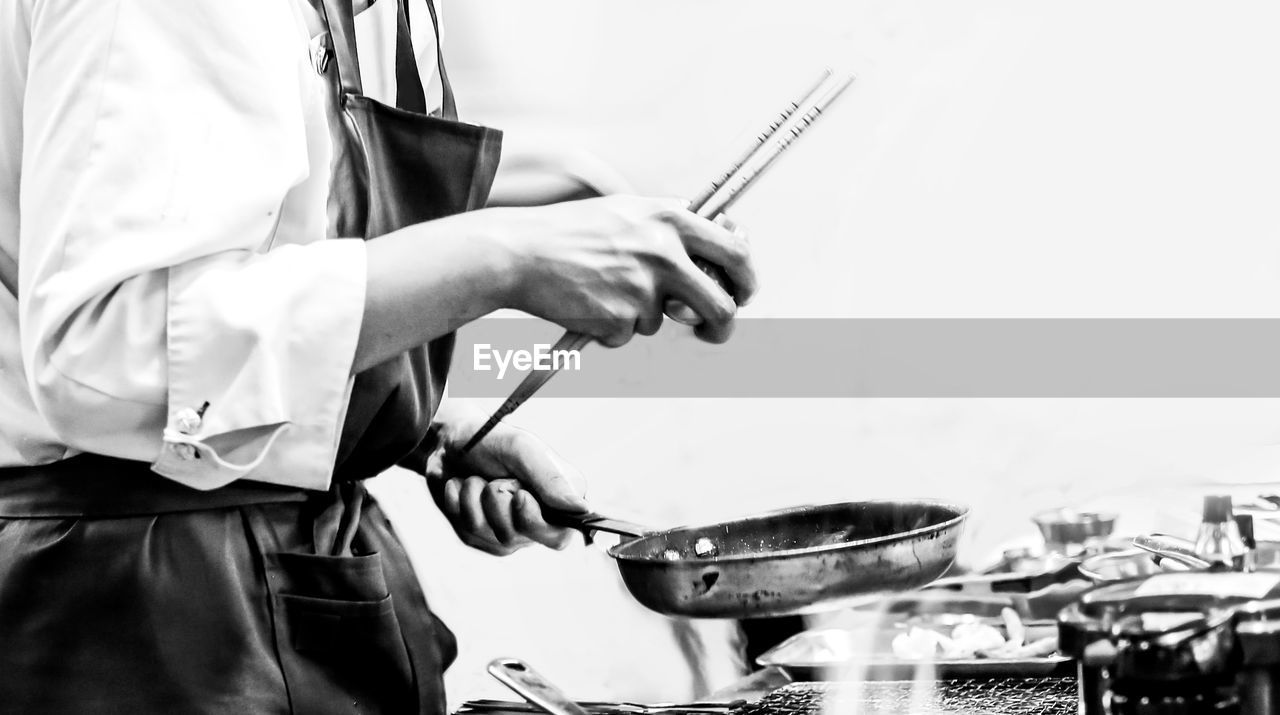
[(892, 358)]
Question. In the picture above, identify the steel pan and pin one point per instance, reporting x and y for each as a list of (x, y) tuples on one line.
[(793, 561)]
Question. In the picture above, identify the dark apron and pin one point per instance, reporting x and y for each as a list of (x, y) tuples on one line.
[(393, 167), (124, 592)]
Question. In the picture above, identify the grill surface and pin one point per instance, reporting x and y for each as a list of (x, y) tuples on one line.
[(1005, 696)]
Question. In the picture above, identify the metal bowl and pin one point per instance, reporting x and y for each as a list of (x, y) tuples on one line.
[(1069, 526)]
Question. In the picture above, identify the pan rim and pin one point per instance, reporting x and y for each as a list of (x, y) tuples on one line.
[(961, 513)]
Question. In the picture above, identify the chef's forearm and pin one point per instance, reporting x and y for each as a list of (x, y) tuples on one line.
[(428, 280)]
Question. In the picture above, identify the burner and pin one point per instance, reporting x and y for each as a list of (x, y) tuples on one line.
[(1176, 643)]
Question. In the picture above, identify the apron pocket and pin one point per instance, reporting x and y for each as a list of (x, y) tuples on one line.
[(326, 628), (342, 578), (341, 646)]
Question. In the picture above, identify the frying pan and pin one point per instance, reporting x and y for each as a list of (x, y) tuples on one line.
[(799, 560)]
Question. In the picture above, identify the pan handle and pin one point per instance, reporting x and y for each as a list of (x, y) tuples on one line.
[(590, 521), (1009, 583)]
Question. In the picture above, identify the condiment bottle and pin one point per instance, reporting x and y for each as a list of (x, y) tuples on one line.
[(1244, 522), (1218, 541)]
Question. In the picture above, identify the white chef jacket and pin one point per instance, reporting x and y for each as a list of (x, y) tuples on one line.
[(164, 169)]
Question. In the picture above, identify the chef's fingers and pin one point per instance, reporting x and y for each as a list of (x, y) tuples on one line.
[(730, 225), (448, 495), (726, 248), (681, 313), (712, 305), (714, 308), (529, 522), (453, 497), (543, 472), (496, 500), (448, 498), (649, 323), (471, 517), (744, 240)]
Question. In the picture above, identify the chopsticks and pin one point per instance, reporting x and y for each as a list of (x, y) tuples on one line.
[(529, 385), (761, 139), (713, 201), (771, 145)]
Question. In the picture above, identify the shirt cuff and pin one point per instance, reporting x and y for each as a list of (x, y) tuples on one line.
[(260, 354)]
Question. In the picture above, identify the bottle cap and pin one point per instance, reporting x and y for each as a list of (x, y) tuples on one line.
[(1217, 509)]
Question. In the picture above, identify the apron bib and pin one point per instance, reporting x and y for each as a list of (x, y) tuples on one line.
[(124, 592), (393, 167)]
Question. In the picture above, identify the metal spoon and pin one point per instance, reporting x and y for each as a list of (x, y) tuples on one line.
[(530, 685)]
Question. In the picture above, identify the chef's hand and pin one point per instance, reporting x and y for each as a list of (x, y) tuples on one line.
[(682, 313), (491, 494), (607, 267)]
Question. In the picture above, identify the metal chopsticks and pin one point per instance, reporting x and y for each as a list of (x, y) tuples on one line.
[(712, 202)]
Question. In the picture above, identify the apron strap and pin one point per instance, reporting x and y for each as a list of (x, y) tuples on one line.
[(409, 92), (339, 17), (450, 109)]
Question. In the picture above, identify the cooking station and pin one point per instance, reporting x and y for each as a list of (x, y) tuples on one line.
[(1091, 622)]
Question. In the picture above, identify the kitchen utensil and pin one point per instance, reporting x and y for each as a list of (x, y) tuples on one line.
[(799, 560), (1057, 572), (532, 382), (766, 152), (1071, 532), (530, 685), (1121, 565), (710, 204), (760, 139), (1173, 548)]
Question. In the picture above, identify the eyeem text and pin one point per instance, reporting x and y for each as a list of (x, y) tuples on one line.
[(485, 358)]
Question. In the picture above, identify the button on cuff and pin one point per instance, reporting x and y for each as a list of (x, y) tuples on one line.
[(187, 421)]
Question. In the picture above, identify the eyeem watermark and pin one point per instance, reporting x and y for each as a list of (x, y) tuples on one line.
[(854, 358), (486, 358)]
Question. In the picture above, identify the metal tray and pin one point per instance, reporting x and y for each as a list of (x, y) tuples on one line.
[(836, 654)]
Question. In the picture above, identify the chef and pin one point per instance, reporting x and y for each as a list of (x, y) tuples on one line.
[(183, 353)]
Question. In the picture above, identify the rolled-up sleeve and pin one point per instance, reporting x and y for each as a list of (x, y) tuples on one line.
[(178, 303)]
